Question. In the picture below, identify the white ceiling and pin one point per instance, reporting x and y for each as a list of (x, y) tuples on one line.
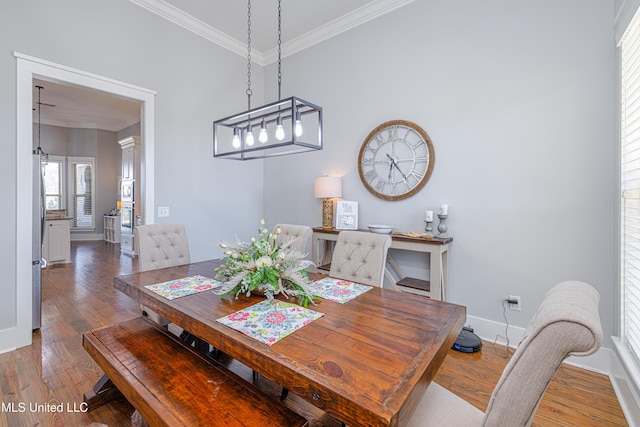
[(224, 22), (75, 107)]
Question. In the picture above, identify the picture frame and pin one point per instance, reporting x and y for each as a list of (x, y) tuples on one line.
[(346, 215)]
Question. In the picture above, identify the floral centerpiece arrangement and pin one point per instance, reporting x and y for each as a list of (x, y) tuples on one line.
[(266, 266)]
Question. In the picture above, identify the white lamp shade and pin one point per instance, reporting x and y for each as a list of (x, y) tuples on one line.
[(327, 186)]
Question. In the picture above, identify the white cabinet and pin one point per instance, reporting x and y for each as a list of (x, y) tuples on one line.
[(131, 196), (128, 159), (112, 228), (126, 244), (57, 241)]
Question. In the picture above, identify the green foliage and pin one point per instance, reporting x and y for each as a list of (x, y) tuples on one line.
[(264, 265)]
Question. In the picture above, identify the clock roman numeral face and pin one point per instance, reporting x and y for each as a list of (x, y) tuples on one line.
[(396, 160)]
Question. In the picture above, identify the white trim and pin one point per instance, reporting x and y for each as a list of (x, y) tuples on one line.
[(491, 331), (27, 68), (339, 25), (86, 236), (351, 20), (623, 18), (624, 378)]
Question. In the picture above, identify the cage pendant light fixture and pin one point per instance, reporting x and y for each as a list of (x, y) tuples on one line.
[(286, 126)]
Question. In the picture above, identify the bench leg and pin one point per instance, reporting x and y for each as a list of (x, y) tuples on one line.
[(102, 392), (190, 339)]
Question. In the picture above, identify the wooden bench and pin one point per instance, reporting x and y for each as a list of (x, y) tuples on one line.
[(171, 384)]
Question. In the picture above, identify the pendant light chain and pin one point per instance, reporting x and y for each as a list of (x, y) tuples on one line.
[(279, 49), (233, 136), (249, 91)]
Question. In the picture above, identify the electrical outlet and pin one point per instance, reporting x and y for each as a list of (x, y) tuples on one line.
[(515, 306), (163, 211)]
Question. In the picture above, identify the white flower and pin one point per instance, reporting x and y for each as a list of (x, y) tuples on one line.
[(282, 255), (234, 256), (253, 240), (264, 261), (223, 245), (228, 252), (262, 221), (278, 230)]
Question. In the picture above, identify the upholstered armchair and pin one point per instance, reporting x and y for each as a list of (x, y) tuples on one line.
[(360, 257), (566, 323)]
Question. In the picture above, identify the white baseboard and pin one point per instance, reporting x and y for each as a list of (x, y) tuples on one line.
[(76, 237), (617, 363), (491, 331), (624, 369)]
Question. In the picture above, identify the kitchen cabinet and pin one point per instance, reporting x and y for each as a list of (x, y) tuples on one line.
[(131, 195), (57, 241), (130, 157)]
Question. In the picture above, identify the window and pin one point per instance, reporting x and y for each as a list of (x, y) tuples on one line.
[(630, 176), (81, 191), (53, 174)]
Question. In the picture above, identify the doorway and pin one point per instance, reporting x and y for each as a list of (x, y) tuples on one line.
[(28, 69)]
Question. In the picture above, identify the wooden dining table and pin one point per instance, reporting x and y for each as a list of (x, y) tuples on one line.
[(366, 362)]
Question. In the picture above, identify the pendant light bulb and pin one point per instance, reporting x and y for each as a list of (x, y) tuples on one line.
[(235, 142), (298, 127), (263, 136), (249, 139), (279, 129)]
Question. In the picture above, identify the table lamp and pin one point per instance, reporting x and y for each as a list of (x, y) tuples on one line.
[(326, 188)]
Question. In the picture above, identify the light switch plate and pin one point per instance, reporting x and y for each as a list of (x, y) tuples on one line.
[(163, 211)]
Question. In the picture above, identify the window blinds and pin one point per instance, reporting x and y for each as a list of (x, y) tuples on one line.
[(82, 194), (630, 171)]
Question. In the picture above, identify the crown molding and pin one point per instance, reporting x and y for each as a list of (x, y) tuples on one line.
[(196, 26), (339, 25)]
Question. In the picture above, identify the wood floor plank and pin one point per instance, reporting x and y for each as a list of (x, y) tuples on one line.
[(80, 296)]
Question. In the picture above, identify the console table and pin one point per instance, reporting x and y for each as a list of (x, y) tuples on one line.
[(437, 251)]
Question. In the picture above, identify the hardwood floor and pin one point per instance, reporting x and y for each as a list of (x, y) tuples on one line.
[(42, 385)]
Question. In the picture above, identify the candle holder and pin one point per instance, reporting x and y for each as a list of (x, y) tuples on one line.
[(442, 226), (428, 226)]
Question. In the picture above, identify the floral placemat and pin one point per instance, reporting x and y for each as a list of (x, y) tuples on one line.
[(182, 287), (337, 290), (270, 320)]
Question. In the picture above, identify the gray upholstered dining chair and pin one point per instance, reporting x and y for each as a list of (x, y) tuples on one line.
[(360, 256), (298, 235), (566, 323), (161, 246)]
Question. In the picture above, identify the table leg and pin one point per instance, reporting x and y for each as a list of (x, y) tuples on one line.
[(102, 392), (435, 278)]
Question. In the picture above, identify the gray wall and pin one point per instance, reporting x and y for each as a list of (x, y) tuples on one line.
[(196, 81), (100, 144), (518, 98)]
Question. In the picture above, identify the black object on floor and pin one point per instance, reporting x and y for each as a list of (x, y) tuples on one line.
[(467, 341)]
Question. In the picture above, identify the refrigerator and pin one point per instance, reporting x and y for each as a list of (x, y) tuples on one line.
[(38, 223)]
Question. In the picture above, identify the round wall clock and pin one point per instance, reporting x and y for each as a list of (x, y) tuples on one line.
[(396, 160)]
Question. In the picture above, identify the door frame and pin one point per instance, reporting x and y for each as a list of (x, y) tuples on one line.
[(28, 68)]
